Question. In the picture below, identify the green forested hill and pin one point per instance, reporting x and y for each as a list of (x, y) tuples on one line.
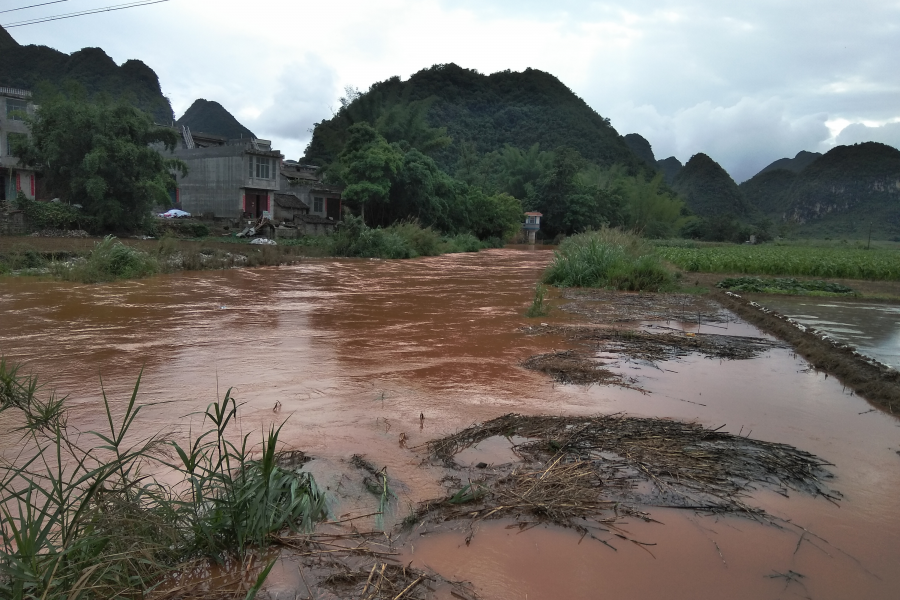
[(708, 189), (669, 167), (27, 66), (481, 114), (847, 189), (641, 148), (769, 191), (208, 116)]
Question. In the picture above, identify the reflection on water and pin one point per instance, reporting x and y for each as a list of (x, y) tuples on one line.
[(357, 350), (874, 329)]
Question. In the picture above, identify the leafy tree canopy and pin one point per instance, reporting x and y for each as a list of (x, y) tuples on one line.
[(99, 155)]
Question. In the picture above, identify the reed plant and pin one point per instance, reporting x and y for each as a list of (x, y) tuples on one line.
[(84, 520)]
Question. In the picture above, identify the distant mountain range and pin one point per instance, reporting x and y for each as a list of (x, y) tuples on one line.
[(26, 66), (845, 192)]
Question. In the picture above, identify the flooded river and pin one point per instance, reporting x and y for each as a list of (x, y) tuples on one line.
[(356, 350)]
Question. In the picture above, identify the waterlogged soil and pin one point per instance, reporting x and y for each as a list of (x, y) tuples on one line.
[(376, 358)]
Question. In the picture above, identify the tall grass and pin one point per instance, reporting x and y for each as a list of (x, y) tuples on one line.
[(608, 258), (83, 520)]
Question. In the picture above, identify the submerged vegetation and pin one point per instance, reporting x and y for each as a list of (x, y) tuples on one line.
[(83, 519), (608, 258)]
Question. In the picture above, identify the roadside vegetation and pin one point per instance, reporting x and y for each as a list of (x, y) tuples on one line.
[(84, 519)]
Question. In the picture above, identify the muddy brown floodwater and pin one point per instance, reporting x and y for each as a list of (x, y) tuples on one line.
[(356, 350)]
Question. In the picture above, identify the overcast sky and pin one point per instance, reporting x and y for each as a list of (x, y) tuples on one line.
[(746, 83)]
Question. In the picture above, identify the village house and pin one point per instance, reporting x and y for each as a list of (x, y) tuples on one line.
[(15, 104), (247, 180)]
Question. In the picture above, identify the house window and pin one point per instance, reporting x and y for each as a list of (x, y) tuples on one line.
[(15, 109), (263, 167), (11, 140), (318, 205)]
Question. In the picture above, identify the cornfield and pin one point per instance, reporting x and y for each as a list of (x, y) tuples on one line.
[(804, 261)]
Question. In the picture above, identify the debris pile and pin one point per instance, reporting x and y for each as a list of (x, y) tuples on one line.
[(600, 468)]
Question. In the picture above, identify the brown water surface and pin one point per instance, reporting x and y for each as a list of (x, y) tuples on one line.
[(356, 350)]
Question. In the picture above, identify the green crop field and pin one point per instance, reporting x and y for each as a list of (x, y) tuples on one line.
[(803, 261)]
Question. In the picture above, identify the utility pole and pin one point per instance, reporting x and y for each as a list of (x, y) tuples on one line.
[(869, 243)]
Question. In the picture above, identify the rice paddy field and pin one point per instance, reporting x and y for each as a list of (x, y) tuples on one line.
[(876, 264)]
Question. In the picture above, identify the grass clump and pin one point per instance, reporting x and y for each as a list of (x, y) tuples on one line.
[(83, 520), (539, 306), (608, 258), (785, 286), (108, 261)]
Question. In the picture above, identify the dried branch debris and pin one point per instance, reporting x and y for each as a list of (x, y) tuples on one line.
[(602, 467)]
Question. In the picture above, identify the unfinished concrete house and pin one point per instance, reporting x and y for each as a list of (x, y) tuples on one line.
[(15, 104), (233, 179), (303, 181), (247, 180)]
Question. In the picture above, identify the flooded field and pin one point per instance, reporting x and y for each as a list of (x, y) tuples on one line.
[(375, 358), (874, 329)]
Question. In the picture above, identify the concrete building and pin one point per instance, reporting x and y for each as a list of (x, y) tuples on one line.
[(303, 181), (233, 179), (14, 105), (247, 179)]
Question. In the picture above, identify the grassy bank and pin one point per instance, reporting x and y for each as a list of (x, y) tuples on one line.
[(83, 520), (831, 261), (608, 258), (92, 261)]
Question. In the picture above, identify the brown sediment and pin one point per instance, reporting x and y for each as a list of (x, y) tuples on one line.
[(607, 306), (877, 383), (599, 468)]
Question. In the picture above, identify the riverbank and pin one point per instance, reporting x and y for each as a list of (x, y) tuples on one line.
[(93, 260)]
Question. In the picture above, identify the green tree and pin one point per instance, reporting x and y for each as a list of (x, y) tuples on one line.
[(367, 166), (101, 156)]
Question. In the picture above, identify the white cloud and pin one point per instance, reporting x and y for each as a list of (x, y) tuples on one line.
[(305, 91), (889, 134)]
